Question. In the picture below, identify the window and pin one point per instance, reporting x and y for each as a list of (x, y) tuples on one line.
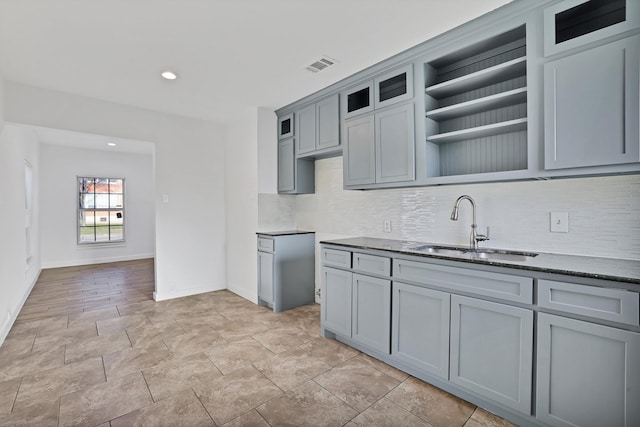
[(100, 210)]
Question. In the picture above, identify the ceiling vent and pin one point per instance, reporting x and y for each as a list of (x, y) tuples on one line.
[(320, 64)]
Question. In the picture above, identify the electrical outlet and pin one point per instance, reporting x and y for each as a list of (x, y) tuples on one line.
[(386, 226), (559, 222)]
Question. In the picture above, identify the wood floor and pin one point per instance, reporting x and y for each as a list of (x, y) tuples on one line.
[(72, 290), (91, 348)]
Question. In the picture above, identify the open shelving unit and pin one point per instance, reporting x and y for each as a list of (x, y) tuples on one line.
[(476, 107)]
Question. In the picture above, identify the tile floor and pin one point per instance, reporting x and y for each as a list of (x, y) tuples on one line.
[(91, 348)]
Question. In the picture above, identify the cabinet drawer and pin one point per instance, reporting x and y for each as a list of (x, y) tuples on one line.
[(336, 258), (497, 285), (372, 264), (265, 244), (601, 303)]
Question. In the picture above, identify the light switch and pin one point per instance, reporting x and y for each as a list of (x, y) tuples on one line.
[(165, 198), (559, 222)]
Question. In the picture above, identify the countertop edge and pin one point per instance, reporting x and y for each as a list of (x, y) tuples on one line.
[(402, 247)]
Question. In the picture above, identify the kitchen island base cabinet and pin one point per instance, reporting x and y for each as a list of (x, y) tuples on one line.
[(420, 328), (286, 270), (492, 350), (588, 374)]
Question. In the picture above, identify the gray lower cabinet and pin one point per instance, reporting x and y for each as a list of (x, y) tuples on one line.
[(286, 270), (380, 148), (587, 374), (336, 301), (265, 277), (371, 313), (591, 102), (357, 306), (420, 328), (492, 350)]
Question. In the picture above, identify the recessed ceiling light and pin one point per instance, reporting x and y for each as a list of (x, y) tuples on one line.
[(111, 144), (169, 75)]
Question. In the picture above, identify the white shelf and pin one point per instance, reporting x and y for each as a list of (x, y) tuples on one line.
[(511, 97), (480, 131), (501, 72)]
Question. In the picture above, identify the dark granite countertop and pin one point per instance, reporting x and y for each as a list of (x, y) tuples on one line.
[(583, 266), (284, 232)]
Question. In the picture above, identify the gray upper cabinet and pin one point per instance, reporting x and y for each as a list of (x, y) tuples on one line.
[(286, 165), (285, 126), (476, 99), (531, 90), (591, 104), (357, 100), (359, 151), (588, 375), (393, 87), (318, 127), (295, 175), (380, 148), (492, 350), (573, 23), (328, 122), (395, 145), (306, 126)]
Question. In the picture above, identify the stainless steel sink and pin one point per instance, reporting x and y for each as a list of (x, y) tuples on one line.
[(441, 250), (488, 254), (502, 255)]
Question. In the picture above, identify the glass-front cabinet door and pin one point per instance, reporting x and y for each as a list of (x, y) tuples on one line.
[(394, 86)]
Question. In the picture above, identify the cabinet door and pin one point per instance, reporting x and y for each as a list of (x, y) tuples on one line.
[(306, 129), (336, 301), (394, 86), (265, 277), (587, 374), (591, 107), (285, 126), (328, 122), (492, 350), (357, 100), (359, 151), (420, 328), (395, 145), (371, 312), (286, 165)]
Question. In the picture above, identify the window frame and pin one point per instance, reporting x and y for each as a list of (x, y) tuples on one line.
[(109, 209)]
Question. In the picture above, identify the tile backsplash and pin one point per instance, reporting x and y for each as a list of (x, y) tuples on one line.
[(604, 213)]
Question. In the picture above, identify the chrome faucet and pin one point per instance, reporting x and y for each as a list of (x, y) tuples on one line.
[(475, 237)]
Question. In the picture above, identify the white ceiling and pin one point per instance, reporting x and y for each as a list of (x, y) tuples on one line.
[(230, 54)]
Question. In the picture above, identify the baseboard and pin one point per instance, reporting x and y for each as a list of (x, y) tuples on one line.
[(162, 296), (244, 293), (105, 260), (6, 327)]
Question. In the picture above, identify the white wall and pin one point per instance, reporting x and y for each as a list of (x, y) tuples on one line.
[(267, 151), (604, 213), (17, 277), (189, 169), (59, 167)]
